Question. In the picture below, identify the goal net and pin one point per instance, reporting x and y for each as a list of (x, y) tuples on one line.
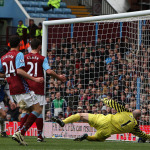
[(102, 56)]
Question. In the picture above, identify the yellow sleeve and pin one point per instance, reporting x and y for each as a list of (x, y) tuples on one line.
[(111, 103), (136, 131)]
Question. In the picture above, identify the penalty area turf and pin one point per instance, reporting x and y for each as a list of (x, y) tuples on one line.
[(6, 143)]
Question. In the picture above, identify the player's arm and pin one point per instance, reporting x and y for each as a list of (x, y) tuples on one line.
[(111, 103), (20, 64), (136, 131), (2, 75), (21, 72), (51, 72)]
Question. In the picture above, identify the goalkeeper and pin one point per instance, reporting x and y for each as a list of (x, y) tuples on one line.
[(122, 122)]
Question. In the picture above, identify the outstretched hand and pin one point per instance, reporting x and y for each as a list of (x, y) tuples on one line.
[(62, 78)]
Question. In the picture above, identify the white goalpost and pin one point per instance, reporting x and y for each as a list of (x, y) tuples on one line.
[(86, 19), (101, 56)]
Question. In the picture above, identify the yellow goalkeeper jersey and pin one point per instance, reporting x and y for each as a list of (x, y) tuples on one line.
[(123, 121)]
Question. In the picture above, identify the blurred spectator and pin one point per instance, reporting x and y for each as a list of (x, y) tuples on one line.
[(38, 33), (14, 111), (113, 111), (8, 117), (79, 109), (21, 28), (58, 105), (48, 116), (60, 115), (68, 112), (108, 109), (104, 110), (32, 28), (6, 109), (94, 109), (47, 106), (52, 4)]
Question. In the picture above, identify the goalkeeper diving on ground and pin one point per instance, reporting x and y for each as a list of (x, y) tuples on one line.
[(122, 122)]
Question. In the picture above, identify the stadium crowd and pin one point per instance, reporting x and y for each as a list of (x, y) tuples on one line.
[(108, 69)]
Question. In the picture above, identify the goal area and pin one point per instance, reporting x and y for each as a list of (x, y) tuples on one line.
[(101, 56)]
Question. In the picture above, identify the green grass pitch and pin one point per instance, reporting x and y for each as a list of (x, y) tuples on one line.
[(63, 144)]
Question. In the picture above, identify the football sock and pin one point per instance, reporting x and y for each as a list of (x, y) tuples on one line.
[(91, 138), (23, 119), (72, 118), (31, 119), (39, 124)]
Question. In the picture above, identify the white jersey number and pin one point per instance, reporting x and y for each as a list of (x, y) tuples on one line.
[(9, 69), (32, 67)]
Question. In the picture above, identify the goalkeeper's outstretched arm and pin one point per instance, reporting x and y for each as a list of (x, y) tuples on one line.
[(111, 103), (136, 131)]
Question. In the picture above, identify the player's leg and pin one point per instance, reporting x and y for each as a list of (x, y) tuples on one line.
[(2, 113), (2, 119), (94, 138), (19, 136), (2, 122), (86, 137), (76, 117), (39, 120), (22, 105), (72, 118), (97, 137), (7, 91), (36, 111), (31, 102), (23, 119), (39, 124)]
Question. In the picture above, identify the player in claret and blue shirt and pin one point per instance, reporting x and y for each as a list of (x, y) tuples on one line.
[(12, 63), (35, 63)]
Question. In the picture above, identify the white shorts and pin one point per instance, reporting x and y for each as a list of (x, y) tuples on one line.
[(29, 98), (41, 99), (2, 106)]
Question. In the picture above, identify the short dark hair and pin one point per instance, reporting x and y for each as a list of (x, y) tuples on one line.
[(40, 24), (35, 43), (20, 21), (14, 41), (3, 51)]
